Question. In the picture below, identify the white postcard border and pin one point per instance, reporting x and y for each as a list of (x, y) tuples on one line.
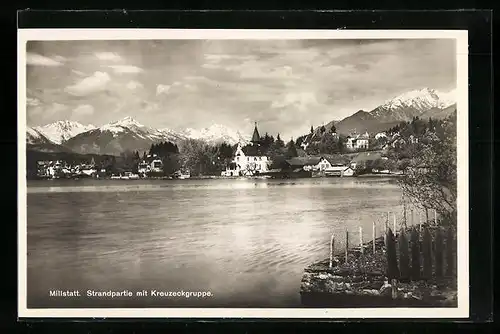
[(461, 37)]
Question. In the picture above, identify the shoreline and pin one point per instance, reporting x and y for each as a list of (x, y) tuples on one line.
[(215, 177), (363, 282)]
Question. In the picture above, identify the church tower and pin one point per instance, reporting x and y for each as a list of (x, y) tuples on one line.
[(255, 136)]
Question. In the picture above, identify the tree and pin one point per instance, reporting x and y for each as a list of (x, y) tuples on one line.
[(312, 129), (279, 143), (328, 144), (430, 177), (199, 157), (312, 148), (291, 150), (333, 129)]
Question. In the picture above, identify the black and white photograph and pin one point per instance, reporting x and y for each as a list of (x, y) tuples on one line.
[(238, 173)]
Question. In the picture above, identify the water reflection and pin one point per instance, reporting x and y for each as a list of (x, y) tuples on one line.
[(245, 240)]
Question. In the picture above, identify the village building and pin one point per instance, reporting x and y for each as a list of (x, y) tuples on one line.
[(380, 135), (339, 170), (325, 165), (358, 142), (248, 161), (152, 163)]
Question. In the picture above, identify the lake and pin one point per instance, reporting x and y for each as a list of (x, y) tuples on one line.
[(245, 241)]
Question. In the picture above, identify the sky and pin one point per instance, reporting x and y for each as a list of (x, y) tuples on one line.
[(284, 85)]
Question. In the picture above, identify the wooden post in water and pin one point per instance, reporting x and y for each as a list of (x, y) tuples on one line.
[(346, 244), (415, 254), (404, 256), (450, 252), (404, 214), (361, 239), (392, 259), (385, 234), (394, 288), (427, 254), (420, 223), (438, 254), (332, 249), (394, 223), (373, 236)]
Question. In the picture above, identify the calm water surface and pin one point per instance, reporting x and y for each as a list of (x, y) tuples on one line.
[(245, 241)]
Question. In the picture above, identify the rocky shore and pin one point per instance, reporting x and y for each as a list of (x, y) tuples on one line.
[(361, 281)]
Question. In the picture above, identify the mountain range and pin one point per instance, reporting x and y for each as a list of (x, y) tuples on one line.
[(128, 134), (423, 103), (118, 136)]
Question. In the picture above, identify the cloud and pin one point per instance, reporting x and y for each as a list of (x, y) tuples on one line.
[(78, 72), (162, 89), (280, 84), (32, 102), (125, 69), (83, 110), (300, 100), (132, 85), (39, 60), (108, 56), (92, 84), (60, 59)]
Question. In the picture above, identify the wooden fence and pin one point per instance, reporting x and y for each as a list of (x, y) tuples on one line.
[(421, 253), (415, 246)]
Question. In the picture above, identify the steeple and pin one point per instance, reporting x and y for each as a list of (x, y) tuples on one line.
[(255, 136)]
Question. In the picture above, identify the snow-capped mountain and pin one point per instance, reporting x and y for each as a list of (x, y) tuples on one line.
[(37, 141), (422, 99), (216, 133), (119, 136), (421, 102), (413, 103), (61, 131), (34, 136)]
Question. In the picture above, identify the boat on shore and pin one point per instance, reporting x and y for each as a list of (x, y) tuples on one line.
[(125, 176)]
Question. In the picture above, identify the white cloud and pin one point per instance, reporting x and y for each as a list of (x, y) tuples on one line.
[(78, 72), (32, 102), (151, 107), (126, 69), (162, 89), (60, 59), (111, 56), (301, 100), (54, 108), (134, 85), (89, 85), (83, 110), (36, 59)]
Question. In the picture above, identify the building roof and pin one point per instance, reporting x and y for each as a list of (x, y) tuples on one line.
[(255, 136), (252, 151), (337, 168), (303, 161), (367, 156), (336, 159)]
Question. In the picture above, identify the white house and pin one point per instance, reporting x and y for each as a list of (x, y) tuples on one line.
[(157, 165), (339, 170), (151, 164), (356, 142), (248, 165), (380, 135), (316, 164)]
